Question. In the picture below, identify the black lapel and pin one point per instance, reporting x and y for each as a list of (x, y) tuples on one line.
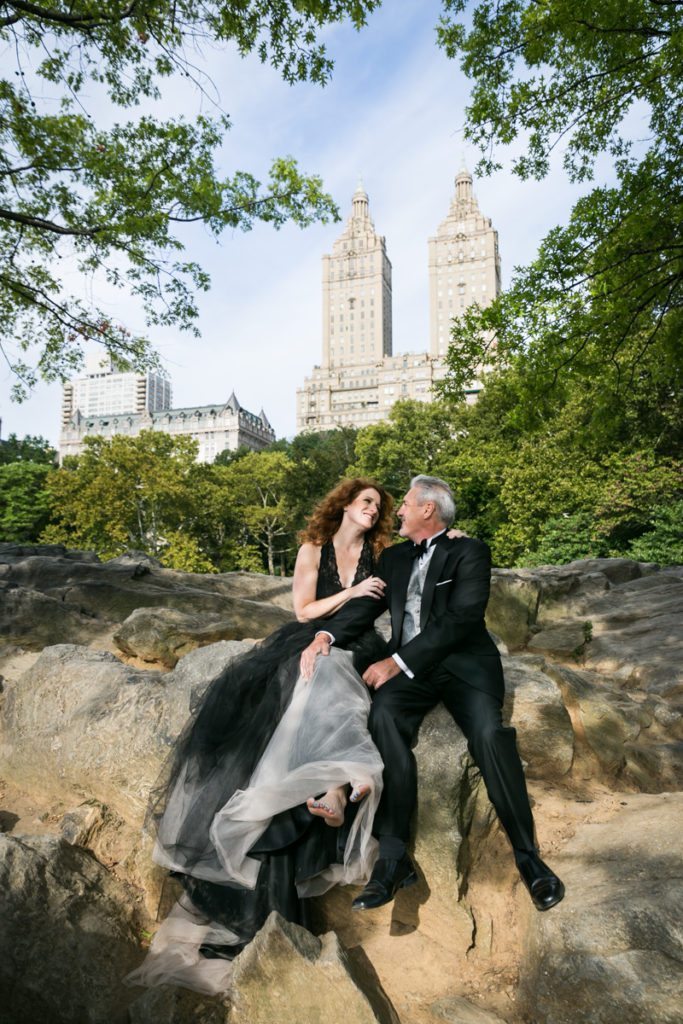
[(436, 564), (399, 590)]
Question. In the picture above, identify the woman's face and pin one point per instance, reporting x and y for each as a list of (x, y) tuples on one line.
[(364, 510)]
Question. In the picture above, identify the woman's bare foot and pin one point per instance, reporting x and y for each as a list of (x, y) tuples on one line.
[(330, 807), (359, 792)]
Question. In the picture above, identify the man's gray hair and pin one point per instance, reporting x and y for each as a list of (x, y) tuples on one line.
[(431, 488)]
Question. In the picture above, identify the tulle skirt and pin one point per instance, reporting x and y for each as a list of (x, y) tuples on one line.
[(231, 819)]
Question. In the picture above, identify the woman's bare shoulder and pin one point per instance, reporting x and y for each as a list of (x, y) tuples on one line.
[(308, 554)]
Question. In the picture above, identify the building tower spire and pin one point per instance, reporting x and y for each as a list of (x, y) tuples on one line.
[(464, 191), (360, 206)]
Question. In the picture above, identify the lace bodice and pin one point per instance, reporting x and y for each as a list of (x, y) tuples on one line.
[(328, 573)]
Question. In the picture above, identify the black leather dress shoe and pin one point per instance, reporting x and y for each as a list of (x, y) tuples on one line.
[(213, 952), (545, 888), (388, 876)]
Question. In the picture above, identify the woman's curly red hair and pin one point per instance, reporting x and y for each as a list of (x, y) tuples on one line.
[(327, 515)]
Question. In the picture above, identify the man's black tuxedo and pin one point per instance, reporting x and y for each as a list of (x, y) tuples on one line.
[(453, 659), (453, 633)]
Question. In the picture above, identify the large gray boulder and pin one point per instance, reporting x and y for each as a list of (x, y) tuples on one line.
[(535, 708), (526, 601), (49, 595), (33, 620), (612, 952), (69, 935), (165, 634)]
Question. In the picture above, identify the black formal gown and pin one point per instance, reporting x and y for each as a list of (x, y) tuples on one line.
[(230, 812)]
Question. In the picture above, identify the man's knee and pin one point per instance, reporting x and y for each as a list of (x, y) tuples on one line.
[(387, 714), (489, 736)]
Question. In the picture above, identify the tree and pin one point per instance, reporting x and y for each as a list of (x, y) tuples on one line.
[(112, 200), (128, 492), (24, 500), (259, 486), (321, 461), (605, 294), (417, 438), (27, 449), (663, 539)]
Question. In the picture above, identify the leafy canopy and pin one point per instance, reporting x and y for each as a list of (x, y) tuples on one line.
[(110, 201), (605, 293)]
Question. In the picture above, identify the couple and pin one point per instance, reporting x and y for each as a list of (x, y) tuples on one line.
[(280, 786)]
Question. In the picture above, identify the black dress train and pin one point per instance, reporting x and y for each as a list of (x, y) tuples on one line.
[(230, 816)]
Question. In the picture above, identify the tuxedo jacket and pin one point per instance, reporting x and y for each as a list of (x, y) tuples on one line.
[(453, 636)]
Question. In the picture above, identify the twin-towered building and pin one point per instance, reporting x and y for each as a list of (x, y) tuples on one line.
[(359, 378)]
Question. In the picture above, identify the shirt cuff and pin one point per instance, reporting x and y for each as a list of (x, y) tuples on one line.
[(325, 632), (402, 665)]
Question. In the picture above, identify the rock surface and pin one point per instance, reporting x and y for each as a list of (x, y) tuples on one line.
[(613, 951), (593, 688), (49, 595), (164, 634), (68, 935), (80, 723), (290, 976)]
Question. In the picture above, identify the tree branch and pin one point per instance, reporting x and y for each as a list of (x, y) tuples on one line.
[(47, 225), (60, 18)]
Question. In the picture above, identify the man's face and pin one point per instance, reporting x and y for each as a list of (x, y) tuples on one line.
[(412, 516)]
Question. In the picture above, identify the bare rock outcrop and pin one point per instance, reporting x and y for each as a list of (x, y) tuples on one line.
[(69, 935), (80, 723), (49, 595), (613, 951), (164, 635), (593, 687), (288, 975)]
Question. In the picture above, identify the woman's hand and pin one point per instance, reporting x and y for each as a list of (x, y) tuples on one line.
[(373, 586), (452, 534), (320, 644)]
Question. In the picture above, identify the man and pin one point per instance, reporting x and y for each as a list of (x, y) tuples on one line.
[(437, 590)]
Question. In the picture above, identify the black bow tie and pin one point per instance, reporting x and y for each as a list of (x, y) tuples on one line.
[(418, 550)]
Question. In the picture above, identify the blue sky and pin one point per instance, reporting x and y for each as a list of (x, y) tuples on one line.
[(393, 114)]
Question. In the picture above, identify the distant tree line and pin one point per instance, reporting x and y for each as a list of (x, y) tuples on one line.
[(543, 483)]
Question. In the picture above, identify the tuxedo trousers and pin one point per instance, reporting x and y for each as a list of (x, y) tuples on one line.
[(398, 708)]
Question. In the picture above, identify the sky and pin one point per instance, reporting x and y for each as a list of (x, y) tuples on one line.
[(393, 115)]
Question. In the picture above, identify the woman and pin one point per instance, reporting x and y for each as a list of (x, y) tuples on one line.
[(263, 768)]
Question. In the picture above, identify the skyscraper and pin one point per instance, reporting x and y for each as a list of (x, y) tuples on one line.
[(357, 292), (464, 263)]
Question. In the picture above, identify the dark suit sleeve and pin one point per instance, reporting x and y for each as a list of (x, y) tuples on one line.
[(356, 615), (466, 606)]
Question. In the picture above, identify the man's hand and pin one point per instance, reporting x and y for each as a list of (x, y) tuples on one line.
[(381, 672), (320, 644)]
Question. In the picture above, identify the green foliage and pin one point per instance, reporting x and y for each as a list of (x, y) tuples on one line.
[(112, 199), (417, 438), (260, 487), (24, 502), (662, 541), (127, 492), (565, 539), (182, 551), (604, 296), (27, 449)]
